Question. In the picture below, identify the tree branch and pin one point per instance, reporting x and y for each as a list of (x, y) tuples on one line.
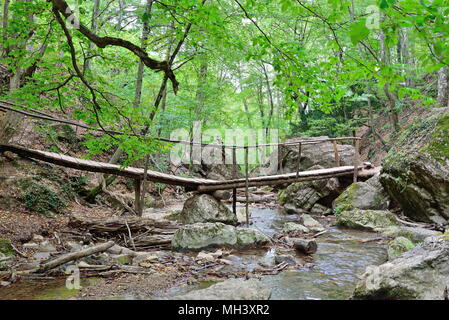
[(102, 42)]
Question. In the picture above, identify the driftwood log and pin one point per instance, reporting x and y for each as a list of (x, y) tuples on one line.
[(256, 199), (221, 194), (73, 256), (133, 232), (58, 261), (121, 224), (305, 246)]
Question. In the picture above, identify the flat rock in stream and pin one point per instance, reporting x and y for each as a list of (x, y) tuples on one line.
[(291, 227), (415, 234), (311, 224), (232, 289), (200, 236), (370, 220)]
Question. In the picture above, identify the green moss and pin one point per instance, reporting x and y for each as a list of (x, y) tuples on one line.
[(43, 199), (6, 248), (338, 210), (438, 147), (398, 246), (345, 202), (282, 196)]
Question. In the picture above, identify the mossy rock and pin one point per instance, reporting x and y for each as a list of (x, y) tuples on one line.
[(43, 199), (414, 234), (361, 195), (291, 227), (201, 236), (370, 220), (398, 246), (438, 147), (6, 248), (415, 173)]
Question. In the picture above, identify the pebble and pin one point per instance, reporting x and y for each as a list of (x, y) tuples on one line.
[(217, 254), (205, 256), (38, 237), (30, 245)]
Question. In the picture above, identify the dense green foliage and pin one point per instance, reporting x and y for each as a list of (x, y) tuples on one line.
[(318, 67)]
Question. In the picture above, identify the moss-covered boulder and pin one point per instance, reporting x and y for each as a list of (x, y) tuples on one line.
[(6, 248), (251, 238), (371, 220), (421, 273), (291, 227), (415, 173), (362, 195), (414, 234), (398, 246), (200, 236), (205, 208)]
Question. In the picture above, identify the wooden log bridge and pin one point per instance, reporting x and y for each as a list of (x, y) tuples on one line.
[(198, 184), (191, 184)]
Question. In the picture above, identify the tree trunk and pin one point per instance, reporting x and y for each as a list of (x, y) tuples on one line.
[(5, 26), (270, 99), (406, 59), (391, 97), (94, 26), (442, 99), (140, 69)]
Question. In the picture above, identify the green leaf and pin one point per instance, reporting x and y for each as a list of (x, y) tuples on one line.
[(358, 32)]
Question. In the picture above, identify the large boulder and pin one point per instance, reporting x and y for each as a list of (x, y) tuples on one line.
[(303, 196), (422, 273), (231, 289), (372, 220), (321, 154), (414, 234), (208, 235), (205, 208), (415, 173), (367, 195)]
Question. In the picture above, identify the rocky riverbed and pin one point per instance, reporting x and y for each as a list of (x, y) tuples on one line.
[(331, 273)]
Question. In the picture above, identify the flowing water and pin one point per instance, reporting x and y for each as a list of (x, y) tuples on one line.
[(340, 258), (342, 255)]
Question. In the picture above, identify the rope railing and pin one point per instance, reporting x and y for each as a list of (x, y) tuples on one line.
[(6, 106)]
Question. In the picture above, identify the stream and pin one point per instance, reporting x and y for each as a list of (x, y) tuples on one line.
[(341, 257)]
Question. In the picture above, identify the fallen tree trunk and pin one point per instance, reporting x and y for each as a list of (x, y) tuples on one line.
[(121, 224), (256, 199), (149, 242), (73, 256), (221, 194)]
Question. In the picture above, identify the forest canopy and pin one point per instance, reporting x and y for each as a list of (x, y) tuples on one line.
[(146, 68)]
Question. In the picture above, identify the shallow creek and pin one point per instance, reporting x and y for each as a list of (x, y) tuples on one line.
[(341, 257)]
